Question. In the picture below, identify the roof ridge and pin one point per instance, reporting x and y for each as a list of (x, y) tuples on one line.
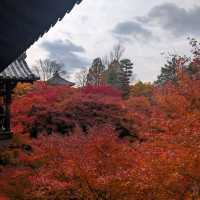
[(19, 71)]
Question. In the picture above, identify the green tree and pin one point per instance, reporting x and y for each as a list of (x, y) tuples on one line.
[(193, 68), (127, 68), (113, 74), (119, 74), (168, 72), (125, 76)]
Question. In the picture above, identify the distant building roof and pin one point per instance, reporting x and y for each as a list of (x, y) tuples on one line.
[(58, 80), (18, 71)]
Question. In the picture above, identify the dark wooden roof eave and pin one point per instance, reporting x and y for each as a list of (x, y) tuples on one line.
[(22, 22)]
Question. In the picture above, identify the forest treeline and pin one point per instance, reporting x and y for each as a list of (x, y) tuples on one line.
[(91, 143)]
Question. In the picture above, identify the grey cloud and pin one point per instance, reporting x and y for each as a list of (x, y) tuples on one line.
[(179, 21), (66, 52), (131, 29)]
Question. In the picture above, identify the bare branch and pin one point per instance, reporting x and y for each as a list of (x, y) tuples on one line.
[(81, 77), (45, 69)]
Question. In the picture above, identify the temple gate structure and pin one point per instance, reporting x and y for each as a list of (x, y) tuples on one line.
[(16, 72)]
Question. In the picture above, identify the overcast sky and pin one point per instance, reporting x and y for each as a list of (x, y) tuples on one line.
[(145, 28)]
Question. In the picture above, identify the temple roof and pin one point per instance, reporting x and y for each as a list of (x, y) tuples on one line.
[(18, 71), (58, 80), (22, 22)]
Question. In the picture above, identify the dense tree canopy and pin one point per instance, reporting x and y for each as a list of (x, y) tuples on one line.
[(94, 145), (113, 70)]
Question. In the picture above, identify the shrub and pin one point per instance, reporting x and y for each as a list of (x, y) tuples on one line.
[(61, 110)]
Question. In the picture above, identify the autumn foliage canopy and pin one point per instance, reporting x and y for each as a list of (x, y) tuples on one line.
[(91, 144)]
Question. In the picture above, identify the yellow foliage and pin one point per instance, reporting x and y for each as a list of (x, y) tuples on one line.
[(22, 88), (141, 89)]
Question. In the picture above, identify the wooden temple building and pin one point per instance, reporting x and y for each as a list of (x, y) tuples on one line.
[(16, 72), (58, 80)]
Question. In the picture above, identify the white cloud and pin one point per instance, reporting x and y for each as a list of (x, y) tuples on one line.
[(90, 26)]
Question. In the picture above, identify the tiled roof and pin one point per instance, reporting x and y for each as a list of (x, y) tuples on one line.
[(19, 71), (22, 22), (58, 80)]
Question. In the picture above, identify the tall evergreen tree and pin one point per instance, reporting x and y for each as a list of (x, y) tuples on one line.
[(127, 68), (168, 72), (125, 77)]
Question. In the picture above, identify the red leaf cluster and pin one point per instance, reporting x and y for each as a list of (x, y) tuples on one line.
[(160, 159), (48, 109)]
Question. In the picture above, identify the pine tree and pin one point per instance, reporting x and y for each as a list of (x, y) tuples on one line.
[(127, 68), (168, 72), (125, 76)]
